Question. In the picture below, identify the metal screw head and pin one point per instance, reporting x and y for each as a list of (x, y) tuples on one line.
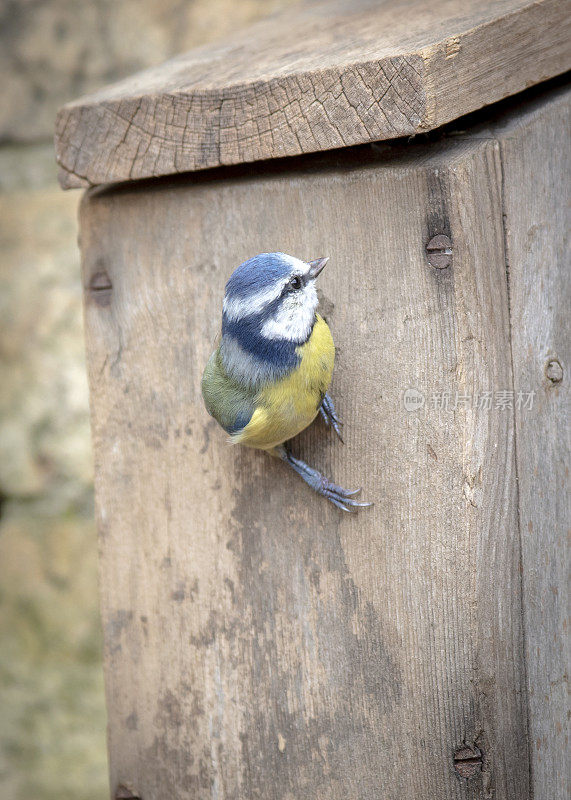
[(100, 288), (439, 250), (468, 761), (554, 371), (126, 793)]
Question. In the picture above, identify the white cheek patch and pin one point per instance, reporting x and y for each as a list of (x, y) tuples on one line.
[(294, 318)]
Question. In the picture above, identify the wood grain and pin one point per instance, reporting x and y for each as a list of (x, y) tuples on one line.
[(324, 76), (536, 165), (258, 643)]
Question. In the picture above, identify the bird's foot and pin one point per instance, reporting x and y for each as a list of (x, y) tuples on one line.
[(327, 410), (342, 498)]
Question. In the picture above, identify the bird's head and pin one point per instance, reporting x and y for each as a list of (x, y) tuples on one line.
[(273, 296)]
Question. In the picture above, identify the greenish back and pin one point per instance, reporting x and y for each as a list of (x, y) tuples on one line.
[(231, 404)]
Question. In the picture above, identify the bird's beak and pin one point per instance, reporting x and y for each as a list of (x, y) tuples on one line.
[(316, 266)]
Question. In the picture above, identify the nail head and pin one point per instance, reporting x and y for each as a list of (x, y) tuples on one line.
[(468, 761), (100, 288), (439, 251), (554, 371), (125, 793)]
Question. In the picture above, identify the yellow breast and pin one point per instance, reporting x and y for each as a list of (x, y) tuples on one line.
[(289, 405)]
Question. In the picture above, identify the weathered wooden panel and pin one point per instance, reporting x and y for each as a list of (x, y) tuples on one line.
[(260, 644), (321, 76), (537, 165)]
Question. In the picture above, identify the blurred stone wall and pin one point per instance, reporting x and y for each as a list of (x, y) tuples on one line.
[(52, 716)]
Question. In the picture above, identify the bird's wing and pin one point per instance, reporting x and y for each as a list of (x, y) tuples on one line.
[(231, 404)]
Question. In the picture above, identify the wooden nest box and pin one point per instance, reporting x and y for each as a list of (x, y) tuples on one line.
[(259, 644)]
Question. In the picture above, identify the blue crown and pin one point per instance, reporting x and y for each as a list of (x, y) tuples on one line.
[(257, 273)]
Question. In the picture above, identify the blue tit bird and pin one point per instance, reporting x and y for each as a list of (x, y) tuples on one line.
[(268, 378)]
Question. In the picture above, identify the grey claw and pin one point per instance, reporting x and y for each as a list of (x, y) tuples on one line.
[(341, 506), (353, 505), (342, 498), (329, 414), (337, 431)]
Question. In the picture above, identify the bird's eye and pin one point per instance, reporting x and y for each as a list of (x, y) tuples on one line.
[(295, 282)]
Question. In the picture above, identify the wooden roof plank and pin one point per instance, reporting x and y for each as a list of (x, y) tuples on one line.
[(322, 76)]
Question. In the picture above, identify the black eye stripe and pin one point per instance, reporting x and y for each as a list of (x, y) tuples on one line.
[(289, 287)]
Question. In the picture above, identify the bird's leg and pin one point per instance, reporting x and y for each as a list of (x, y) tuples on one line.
[(336, 494), (327, 410)]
